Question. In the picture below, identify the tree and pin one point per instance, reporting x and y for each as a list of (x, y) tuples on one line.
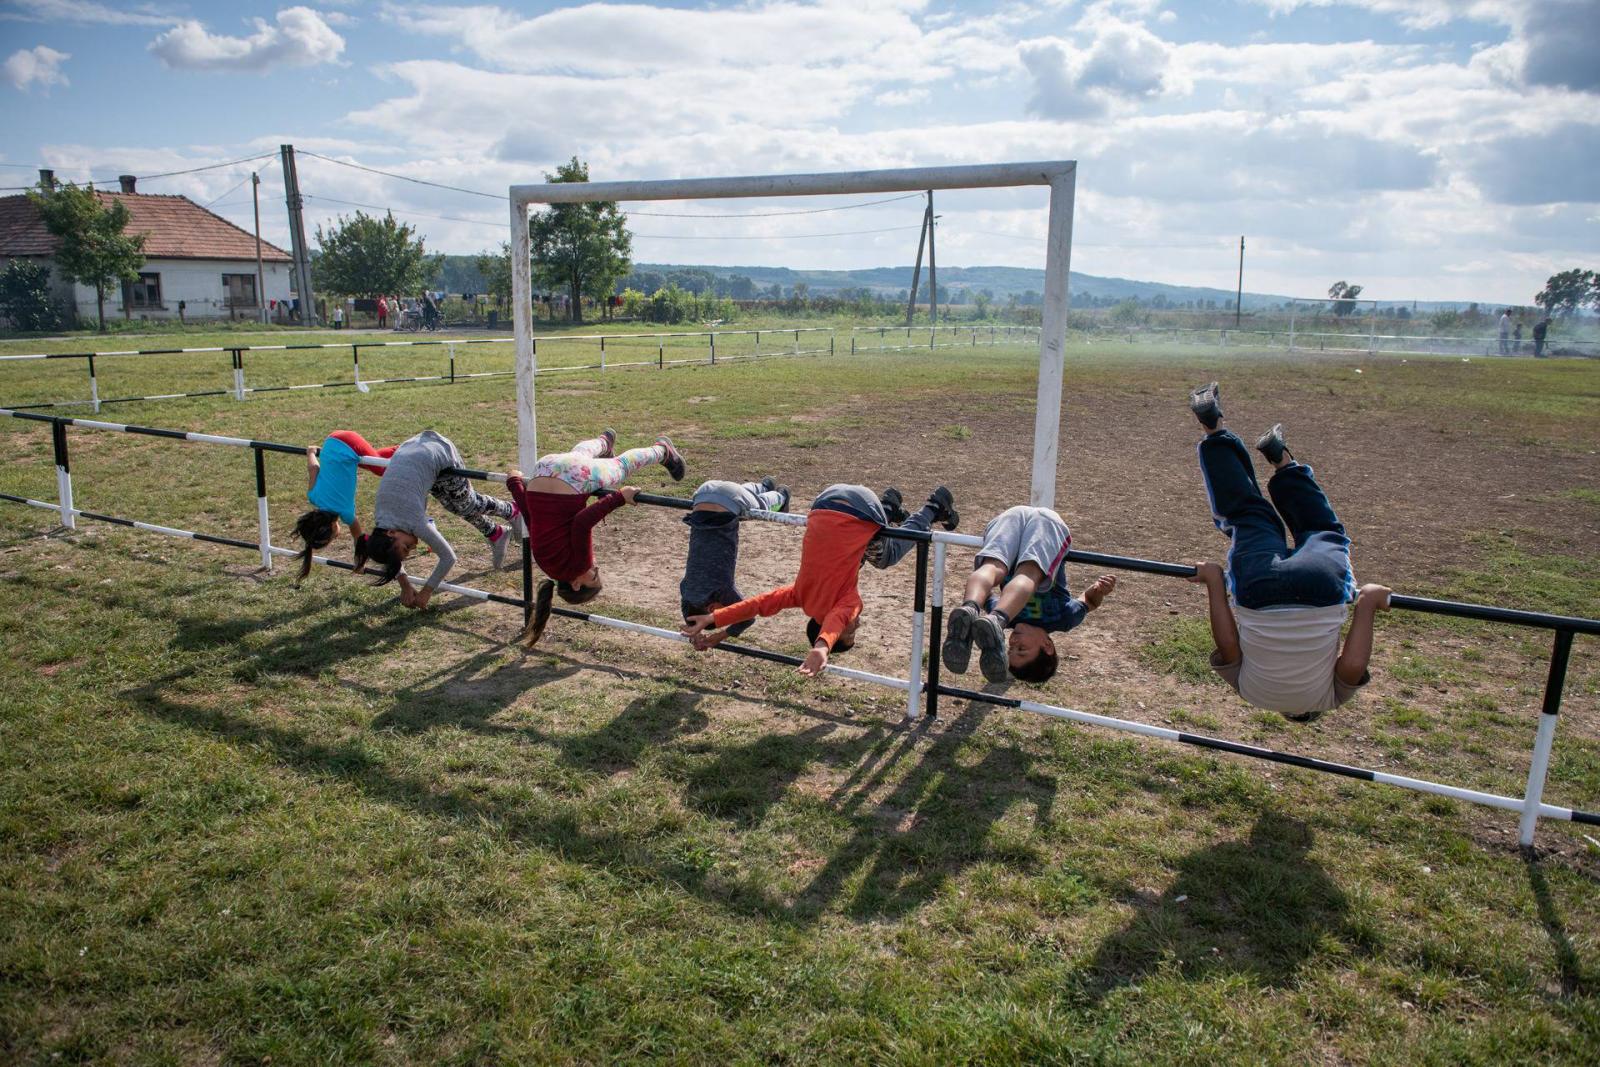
[(25, 296), (496, 270), (367, 256), (583, 248), (1344, 297), (93, 250), (1570, 290)]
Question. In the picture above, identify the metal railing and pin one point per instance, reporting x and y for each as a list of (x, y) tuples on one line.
[(922, 684), (906, 338)]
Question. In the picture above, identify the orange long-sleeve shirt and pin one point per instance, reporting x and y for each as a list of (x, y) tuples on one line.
[(825, 588)]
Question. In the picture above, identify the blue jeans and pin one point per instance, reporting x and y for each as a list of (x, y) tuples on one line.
[(863, 503), (1263, 571)]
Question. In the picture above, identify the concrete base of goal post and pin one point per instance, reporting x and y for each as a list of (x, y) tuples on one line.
[(58, 438), (1544, 739)]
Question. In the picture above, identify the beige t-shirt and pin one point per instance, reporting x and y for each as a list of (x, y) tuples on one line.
[(1287, 657)]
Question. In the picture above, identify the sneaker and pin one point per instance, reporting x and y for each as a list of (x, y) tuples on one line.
[(783, 491), (894, 507), (957, 651), (673, 460), (610, 437), (1271, 445), (1206, 403), (497, 545), (947, 515), (990, 636), (769, 484)]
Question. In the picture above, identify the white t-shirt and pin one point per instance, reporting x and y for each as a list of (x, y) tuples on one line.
[(1287, 657)]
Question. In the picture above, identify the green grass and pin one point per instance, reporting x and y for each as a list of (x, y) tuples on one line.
[(242, 821)]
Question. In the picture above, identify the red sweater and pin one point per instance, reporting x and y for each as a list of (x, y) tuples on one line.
[(560, 528), (825, 588)]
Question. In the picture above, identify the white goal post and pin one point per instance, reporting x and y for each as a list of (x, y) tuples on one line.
[(1059, 175)]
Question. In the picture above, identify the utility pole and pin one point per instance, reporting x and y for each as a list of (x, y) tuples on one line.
[(261, 288), (1238, 297), (933, 266), (297, 237), (916, 272)]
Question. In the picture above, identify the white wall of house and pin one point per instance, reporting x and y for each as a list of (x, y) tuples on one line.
[(198, 283)]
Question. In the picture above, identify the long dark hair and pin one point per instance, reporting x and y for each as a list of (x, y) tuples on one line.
[(315, 528), (542, 603), (380, 548)]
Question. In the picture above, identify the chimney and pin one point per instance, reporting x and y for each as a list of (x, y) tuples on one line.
[(128, 181), (47, 179)]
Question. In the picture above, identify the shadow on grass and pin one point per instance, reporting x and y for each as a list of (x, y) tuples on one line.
[(1260, 908), (1575, 978)]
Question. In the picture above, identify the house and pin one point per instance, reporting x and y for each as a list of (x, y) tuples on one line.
[(199, 265)]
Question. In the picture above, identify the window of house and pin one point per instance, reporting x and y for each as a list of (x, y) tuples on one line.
[(144, 293), (239, 290)]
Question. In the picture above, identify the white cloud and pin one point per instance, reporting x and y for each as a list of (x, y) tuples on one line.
[(1124, 62), (87, 12), (40, 65), (901, 97), (301, 38), (1416, 14)]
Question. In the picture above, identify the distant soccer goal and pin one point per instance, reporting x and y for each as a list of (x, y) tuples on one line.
[(1059, 176)]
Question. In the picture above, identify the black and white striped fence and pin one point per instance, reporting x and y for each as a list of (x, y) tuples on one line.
[(922, 684)]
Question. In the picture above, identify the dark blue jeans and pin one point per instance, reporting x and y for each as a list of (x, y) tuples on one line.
[(1263, 571)]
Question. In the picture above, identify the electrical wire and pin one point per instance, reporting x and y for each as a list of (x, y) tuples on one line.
[(404, 214), (209, 166), (230, 192), (401, 177)]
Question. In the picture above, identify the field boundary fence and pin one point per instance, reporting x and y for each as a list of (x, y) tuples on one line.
[(921, 685)]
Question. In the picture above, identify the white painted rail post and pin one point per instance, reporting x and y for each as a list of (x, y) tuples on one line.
[(1539, 766), (263, 525), (1052, 340), (94, 386), (238, 375), (58, 436), (919, 609)]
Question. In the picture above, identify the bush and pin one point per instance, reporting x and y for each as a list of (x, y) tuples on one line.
[(25, 297)]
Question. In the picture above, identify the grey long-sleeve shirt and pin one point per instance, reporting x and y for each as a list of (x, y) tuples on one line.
[(402, 502)]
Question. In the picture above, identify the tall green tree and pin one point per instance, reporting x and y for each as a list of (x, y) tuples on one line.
[(582, 248), (1344, 297), (495, 267), (367, 256), (93, 248), (1570, 290)]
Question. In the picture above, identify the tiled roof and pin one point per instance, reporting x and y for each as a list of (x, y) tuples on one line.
[(175, 228)]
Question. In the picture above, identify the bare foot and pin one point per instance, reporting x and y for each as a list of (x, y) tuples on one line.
[(1103, 587)]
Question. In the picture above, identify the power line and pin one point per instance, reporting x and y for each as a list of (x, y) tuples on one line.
[(401, 177), (209, 166), (230, 192), (405, 214)]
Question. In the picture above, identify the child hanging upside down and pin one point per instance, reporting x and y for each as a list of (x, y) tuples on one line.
[(844, 529), (331, 488), (1278, 643), (416, 471), (561, 521), (1019, 581), (708, 572)]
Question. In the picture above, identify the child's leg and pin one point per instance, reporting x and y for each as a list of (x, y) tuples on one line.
[(1237, 507), (767, 499), (893, 549), (1302, 503), (986, 577), (1020, 589), (610, 473), (457, 496), (592, 448)]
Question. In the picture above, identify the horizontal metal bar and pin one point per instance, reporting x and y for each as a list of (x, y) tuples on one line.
[(910, 179)]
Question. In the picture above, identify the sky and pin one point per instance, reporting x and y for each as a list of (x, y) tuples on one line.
[(1426, 149)]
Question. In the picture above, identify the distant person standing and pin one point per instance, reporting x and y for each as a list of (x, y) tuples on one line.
[(1505, 332), (383, 313), (1516, 338), (1540, 328), (430, 312)]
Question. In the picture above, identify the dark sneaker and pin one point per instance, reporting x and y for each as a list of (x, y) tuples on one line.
[(673, 460), (1271, 445), (957, 650), (769, 484), (610, 437), (947, 515), (894, 506), (783, 491), (990, 636), (497, 545), (1206, 403)]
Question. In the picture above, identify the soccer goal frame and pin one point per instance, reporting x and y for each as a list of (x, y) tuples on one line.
[(1059, 175)]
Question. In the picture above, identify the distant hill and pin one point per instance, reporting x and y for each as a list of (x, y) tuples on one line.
[(460, 274)]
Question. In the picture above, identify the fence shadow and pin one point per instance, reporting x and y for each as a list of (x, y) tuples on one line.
[(1259, 907), (1576, 979)]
